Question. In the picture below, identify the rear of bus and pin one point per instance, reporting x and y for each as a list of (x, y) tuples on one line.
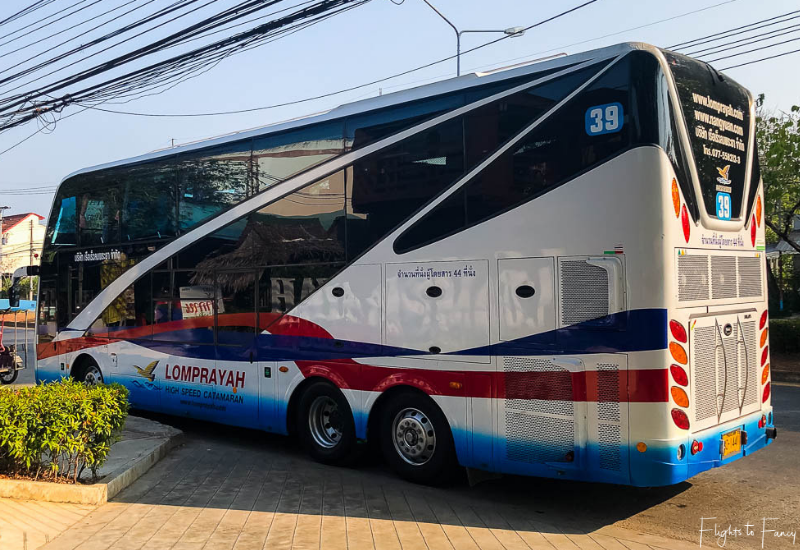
[(718, 406)]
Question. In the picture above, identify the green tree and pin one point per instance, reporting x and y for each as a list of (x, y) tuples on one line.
[(778, 136)]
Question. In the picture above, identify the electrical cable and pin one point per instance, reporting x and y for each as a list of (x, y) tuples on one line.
[(29, 25), (344, 90), (752, 50), (25, 11), (697, 41), (759, 60), (83, 33), (742, 41)]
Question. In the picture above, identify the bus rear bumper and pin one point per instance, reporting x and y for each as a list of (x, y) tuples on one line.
[(660, 465)]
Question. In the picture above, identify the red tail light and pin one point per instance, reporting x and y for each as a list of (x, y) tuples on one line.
[(762, 421), (697, 446), (679, 375), (687, 230), (763, 320), (753, 231), (677, 330), (763, 399), (680, 419), (764, 355)]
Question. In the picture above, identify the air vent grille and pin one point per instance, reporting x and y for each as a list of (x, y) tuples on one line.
[(707, 277), (584, 291)]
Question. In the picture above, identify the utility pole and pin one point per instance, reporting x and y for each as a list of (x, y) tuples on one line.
[(2, 209), (30, 262)]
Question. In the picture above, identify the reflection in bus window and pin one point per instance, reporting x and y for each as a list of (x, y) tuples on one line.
[(282, 156)]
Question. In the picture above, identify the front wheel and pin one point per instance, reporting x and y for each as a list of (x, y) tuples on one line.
[(9, 376), (416, 439), (91, 374), (325, 424)]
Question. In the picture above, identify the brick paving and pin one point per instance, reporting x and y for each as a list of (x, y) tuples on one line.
[(219, 493)]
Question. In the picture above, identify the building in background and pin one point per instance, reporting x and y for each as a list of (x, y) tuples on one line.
[(21, 242)]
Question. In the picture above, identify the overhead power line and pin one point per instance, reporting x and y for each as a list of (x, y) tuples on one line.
[(760, 60), (753, 50), (45, 18), (83, 33), (697, 41), (747, 40), (39, 4), (343, 90)]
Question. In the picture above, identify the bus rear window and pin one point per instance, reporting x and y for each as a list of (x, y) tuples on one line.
[(717, 114)]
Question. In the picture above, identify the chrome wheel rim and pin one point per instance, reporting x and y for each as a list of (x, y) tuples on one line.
[(414, 436), (92, 376), (325, 422)]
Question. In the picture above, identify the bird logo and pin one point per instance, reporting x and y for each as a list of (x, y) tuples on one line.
[(723, 173), (147, 372)]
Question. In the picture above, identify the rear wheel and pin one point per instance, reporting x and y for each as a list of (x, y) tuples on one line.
[(325, 424), (416, 439)]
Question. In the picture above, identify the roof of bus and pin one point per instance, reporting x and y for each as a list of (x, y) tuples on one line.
[(396, 98)]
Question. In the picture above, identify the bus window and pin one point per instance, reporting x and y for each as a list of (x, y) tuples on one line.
[(279, 157), (64, 231), (148, 201), (236, 320), (390, 185), (280, 289), (213, 180)]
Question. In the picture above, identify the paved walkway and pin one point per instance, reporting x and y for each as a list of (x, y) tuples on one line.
[(217, 494), (25, 524)]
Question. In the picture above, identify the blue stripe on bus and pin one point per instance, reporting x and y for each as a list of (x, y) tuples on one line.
[(635, 330)]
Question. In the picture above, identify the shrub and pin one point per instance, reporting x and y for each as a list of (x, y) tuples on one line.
[(784, 335), (57, 430)]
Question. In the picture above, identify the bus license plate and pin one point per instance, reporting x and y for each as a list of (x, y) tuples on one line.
[(731, 443)]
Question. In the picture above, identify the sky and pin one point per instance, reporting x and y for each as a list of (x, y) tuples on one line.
[(376, 40)]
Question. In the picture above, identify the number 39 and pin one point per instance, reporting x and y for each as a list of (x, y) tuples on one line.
[(604, 119)]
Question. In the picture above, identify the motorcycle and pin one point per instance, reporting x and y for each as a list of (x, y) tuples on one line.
[(10, 361)]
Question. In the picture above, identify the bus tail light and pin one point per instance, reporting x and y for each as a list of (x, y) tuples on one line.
[(677, 330), (764, 355), (679, 396), (764, 336), (758, 211), (753, 231), (680, 419), (762, 421), (697, 446), (679, 375), (762, 323), (766, 393), (676, 198), (678, 353), (687, 230), (765, 374)]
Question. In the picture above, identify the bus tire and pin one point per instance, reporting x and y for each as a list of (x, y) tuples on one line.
[(325, 424), (416, 440), (90, 372)]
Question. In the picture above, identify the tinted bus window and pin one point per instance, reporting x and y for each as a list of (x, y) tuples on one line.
[(148, 201), (552, 153), (390, 185), (279, 157), (717, 114), (211, 181)]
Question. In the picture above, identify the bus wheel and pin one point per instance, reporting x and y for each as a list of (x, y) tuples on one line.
[(90, 373), (416, 439), (325, 424)]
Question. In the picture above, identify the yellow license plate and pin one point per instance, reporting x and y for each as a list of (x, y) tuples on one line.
[(731, 443)]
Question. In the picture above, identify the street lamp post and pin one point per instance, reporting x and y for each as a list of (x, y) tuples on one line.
[(512, 31)]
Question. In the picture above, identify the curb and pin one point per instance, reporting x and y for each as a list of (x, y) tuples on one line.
[(96, 494)]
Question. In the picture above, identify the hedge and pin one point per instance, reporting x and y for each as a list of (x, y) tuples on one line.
[(54, 431), (784, 335)]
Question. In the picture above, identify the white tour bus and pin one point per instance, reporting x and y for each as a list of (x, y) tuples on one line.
[(553, 270)]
